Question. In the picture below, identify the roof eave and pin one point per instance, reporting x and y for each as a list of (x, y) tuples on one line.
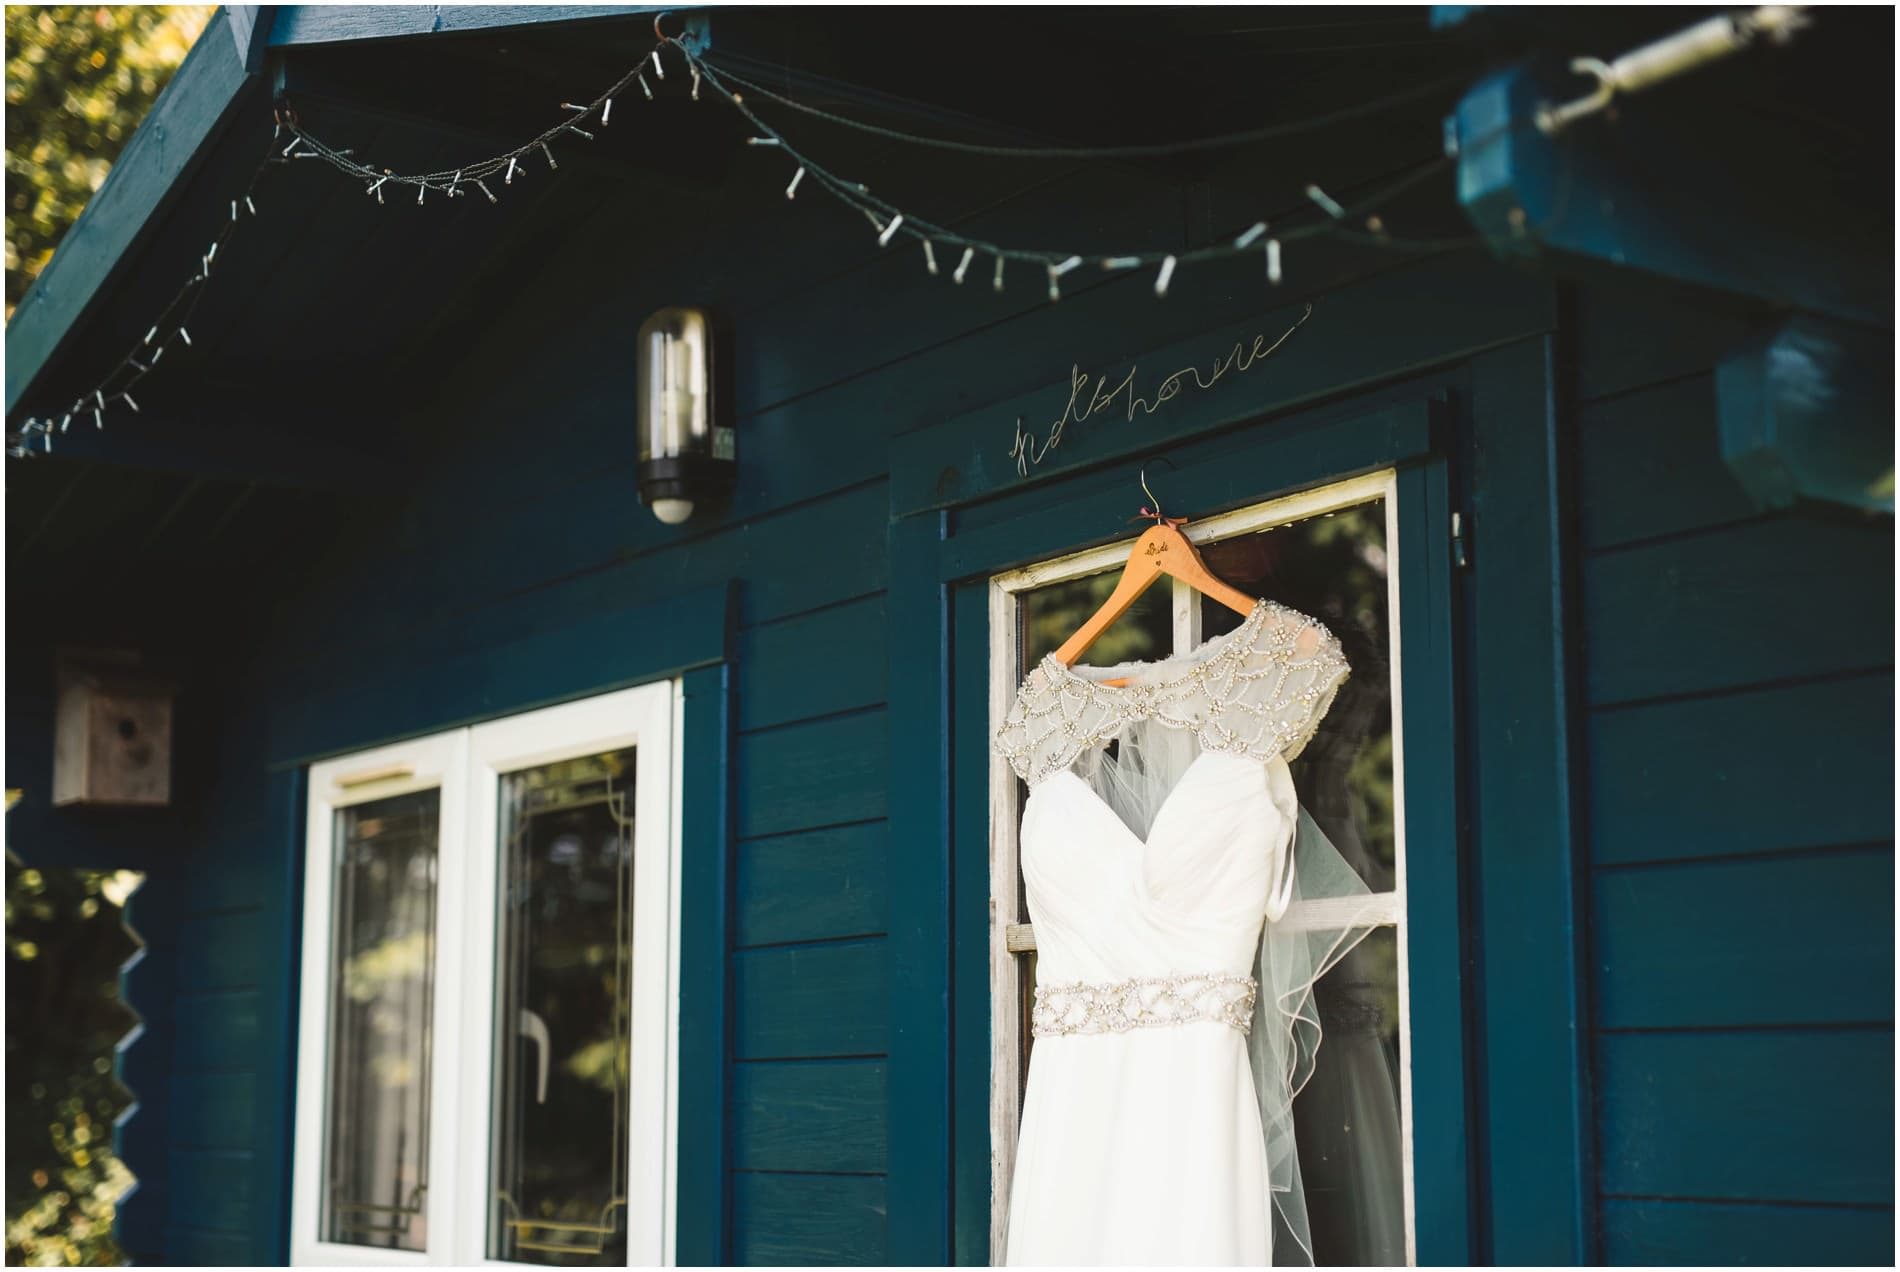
[(170, 141), (182, 129)]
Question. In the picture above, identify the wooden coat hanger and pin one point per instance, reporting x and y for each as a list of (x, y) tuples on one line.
[(1160, 550)]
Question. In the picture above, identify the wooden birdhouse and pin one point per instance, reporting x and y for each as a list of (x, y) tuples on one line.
[(113, 732)]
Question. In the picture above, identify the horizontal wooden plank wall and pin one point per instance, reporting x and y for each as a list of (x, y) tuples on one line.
[(840, 346), (1740, 804), (523, 527)]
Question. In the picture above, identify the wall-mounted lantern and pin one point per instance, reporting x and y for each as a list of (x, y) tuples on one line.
[(686, 452)]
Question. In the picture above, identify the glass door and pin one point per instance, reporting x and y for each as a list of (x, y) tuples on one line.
[(575, 804)]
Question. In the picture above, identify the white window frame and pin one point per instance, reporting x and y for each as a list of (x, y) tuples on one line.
[(1010, 934), (466, 765)]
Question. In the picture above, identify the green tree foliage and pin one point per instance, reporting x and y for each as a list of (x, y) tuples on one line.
[(79, 80), (66, 943)]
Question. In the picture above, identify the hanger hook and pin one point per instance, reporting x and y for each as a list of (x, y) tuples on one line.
[(1143, 478)]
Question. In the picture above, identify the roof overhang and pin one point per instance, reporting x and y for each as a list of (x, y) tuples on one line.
[(225, 70)]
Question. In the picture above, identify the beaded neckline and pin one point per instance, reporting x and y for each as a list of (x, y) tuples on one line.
[(1200, 656), (1258, 690)]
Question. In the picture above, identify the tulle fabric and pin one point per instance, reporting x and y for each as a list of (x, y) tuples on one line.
[(1298, 944)]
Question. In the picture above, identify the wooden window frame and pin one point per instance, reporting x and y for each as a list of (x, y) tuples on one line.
[(466, 765), (1010, 934)]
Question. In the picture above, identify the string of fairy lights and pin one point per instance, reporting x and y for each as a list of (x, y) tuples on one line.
[(943, 249)]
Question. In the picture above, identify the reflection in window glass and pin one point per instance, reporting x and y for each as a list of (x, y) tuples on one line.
[(1332, 567), (1050, 615), (383, 989), (564, 1037), (1347, 1116)]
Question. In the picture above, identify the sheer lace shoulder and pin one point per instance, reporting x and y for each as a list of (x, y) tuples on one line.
[(1259, 690)]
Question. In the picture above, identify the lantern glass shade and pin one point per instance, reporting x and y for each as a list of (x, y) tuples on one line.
[(685, 455)]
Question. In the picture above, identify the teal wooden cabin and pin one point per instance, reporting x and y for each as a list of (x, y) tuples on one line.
[(1587, 438)]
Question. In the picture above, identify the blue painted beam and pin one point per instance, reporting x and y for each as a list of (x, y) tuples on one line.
[(1650, 188), (250, 29), (302, 24)]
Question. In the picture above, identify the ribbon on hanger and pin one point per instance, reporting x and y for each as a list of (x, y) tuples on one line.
[(1154, 515)]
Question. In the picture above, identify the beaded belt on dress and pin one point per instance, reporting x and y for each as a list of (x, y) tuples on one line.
[(1143, 1003)]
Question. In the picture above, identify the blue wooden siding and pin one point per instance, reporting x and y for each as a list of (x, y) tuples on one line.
[(1739, 798)]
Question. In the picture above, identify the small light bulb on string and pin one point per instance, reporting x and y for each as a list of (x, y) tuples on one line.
[(695, 71), (455, 185), (580, 132), (791, 191), (1253, 232), (552, 166), (249, 205), (1165, 277), (66, 421), (963, 266), (152, 334), (99, 399), (930, 257), (156, 355), (659, 70), (1325, 201), (1056, 271), (99, 419), (645, 87), (1273, 261), (1121, 262), (184, 335), (509, 178), (996, 283), (606, 109), (884, 239), (483, 186), (761, 141), (129, 400)]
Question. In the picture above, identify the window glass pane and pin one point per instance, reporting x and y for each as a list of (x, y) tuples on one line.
[(564, 1037), (1050, 615), (1332, 567), (1347, 1117), (382, 995)]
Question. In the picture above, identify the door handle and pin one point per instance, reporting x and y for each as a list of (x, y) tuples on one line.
[(535, 1029)]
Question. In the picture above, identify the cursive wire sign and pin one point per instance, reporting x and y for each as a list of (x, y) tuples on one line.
[(1029, 450)]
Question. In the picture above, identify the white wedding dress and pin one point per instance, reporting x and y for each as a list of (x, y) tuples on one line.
[(1149, 1133)]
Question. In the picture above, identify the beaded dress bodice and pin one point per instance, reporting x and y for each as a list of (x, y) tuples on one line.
[(1260, 690), (1161, 860)]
